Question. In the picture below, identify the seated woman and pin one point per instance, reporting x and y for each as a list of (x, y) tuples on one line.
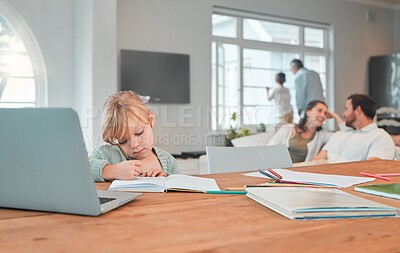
[(306, 139)]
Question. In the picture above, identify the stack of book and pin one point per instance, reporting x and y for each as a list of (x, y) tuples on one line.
[(318, 203)]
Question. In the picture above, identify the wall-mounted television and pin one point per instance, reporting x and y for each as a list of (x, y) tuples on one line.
[(162, 76), (384, 80), (384, 88)]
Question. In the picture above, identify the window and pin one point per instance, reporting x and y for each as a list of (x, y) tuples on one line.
[(21, 82), (248, 51)]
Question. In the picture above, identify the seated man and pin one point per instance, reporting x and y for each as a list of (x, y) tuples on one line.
[(361, 139)]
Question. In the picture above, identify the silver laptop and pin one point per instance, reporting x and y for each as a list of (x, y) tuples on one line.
[(44, 164), (234, 159)]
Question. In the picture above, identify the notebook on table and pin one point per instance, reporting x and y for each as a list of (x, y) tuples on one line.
[(44, 164), (176, 182), (318, 203), (384, 190)]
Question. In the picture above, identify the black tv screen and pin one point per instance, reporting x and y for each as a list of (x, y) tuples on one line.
[(162, 76), (384, 80)]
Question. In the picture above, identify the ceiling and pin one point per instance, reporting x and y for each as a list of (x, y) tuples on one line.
[(391, 4)]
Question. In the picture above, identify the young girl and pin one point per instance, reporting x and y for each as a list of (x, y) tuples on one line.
[(281, 95), (127, 126)]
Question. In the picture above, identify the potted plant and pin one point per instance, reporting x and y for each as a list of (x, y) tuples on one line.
[(261, 128), (233, 132)]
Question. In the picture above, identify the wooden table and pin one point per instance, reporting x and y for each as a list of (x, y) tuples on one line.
[(193, 222)]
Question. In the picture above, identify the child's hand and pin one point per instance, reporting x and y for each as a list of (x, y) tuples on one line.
[(126, 170), (154, 173)]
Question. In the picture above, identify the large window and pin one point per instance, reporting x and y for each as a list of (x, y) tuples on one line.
[(247, 52), (22, 82)]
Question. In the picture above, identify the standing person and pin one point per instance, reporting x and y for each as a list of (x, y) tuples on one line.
[(308, 85), (281, 95), (127, 125)]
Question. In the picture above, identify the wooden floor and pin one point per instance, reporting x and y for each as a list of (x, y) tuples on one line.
[(194, 222)]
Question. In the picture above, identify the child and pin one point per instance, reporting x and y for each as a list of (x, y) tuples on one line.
[(281, 95), (127, 120)]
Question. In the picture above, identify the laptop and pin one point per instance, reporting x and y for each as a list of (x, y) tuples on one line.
[(44, 164), (235, 159)]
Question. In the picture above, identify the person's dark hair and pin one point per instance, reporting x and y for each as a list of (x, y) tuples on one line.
[(366, 103), (280, 78), (303, 121), (296, 64)]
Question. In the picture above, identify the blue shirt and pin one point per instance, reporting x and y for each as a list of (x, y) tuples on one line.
[(308, 87)]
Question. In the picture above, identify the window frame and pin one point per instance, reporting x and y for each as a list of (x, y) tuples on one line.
[(32, 50), (242, 43)]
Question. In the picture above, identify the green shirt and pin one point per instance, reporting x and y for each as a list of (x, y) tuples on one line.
[(106, 154), (298, 147)]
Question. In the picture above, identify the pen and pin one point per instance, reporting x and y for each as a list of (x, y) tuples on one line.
[(276, 174), (375, 176), (272, 176), (120, 148), (225, 192)]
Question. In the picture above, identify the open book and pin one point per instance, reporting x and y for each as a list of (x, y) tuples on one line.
[(318, 203), (177, 182)]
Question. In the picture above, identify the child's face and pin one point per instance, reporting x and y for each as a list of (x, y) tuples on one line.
[(140, 144)]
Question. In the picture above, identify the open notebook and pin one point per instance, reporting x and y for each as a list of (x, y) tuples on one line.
[(312, 203), (176, 182)]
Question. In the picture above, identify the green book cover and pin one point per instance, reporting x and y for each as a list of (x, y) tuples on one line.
[(385, 190)]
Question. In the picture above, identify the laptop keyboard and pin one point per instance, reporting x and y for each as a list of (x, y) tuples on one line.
[(105, 200)]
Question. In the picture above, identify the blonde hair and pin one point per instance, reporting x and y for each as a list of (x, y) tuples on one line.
[(118, 110)]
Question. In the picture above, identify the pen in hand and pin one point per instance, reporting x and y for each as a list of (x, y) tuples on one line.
[(120, 148)]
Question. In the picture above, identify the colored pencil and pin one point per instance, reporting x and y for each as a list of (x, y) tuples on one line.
[(389, 175), (276, 174), (225, 192), (235, 188), (120, 148), (375, 176), (270, 175), (290, 185), (291, 182)]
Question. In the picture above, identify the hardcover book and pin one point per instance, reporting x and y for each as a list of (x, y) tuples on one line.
[(318, 203), (384, 190)]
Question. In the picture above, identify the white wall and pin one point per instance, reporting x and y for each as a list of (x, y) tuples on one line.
[(52, 24), (79, 40), (177, 27), (83, 67), (104, 58), (95, 62), (184, 26), (396, 31)]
